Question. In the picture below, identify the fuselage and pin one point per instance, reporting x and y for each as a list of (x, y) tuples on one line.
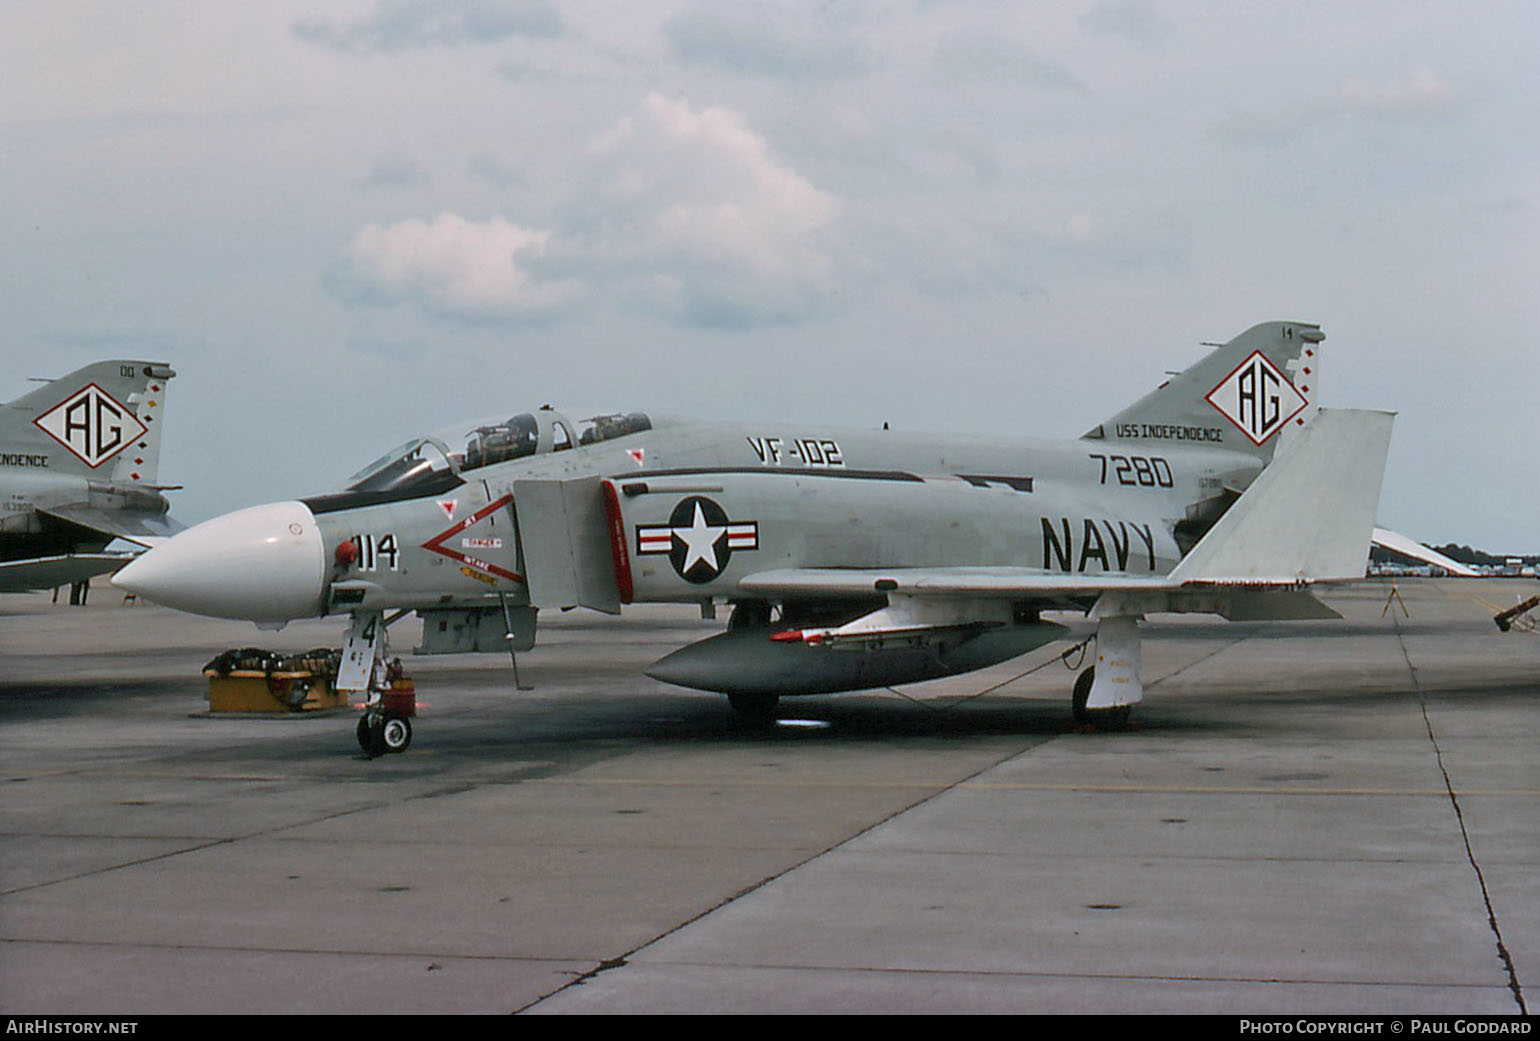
[(851, 558), (790, 495)]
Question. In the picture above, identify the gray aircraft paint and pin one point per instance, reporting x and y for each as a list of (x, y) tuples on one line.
[(79, 459), (908, 545)]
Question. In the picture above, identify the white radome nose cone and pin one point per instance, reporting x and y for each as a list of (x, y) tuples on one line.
[(265, 564)]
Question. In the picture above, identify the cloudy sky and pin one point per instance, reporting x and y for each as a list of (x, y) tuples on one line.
[(346, 223)]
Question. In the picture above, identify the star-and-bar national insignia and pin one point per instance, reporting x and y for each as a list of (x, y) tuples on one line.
[(92, 424), (1257, 398), (698, 538)]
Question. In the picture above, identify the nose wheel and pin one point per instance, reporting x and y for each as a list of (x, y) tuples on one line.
[(380, 733)]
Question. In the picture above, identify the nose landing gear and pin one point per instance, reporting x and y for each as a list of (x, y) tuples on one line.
[(380, 732), (390, 696), (386, 725)]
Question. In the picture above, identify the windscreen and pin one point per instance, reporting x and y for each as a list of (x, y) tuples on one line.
[(419, 462)]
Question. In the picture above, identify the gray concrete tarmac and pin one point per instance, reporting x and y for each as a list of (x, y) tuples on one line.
[(1306, 817)]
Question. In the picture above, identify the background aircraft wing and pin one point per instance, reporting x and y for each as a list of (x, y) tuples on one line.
[(141, 526), (49, 572), (1398, 543)]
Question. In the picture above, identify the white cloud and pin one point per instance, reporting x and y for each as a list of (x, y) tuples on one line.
[(703, 186), (727, 233), (454, 267), (681, 212)]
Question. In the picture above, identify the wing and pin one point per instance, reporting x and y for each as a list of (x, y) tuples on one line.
[(144, 528), (1306, 519), (924, 599), (141, 526), (49, 572), (1398, 543)]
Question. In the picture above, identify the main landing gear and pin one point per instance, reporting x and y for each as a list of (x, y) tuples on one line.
[(1106, 693), (752, 710)]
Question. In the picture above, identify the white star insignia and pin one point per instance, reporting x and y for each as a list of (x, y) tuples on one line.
[(700, 541)]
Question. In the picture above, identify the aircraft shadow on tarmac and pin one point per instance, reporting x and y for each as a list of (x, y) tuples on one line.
[(472, 714)]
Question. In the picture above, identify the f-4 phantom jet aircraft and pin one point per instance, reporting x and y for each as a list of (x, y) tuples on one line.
[(851, 559), (78, 463)]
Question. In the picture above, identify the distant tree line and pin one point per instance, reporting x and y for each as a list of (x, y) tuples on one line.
[(1462, 553), (1469, 555)]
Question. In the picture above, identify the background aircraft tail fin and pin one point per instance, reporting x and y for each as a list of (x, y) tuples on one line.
[(1246, 395), (1309, 516), (101, 421)]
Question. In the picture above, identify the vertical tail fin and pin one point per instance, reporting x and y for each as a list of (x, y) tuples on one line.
[(1245, 396), (102, 421)]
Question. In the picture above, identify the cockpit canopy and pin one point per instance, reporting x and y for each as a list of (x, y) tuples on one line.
[(418, 463), (514, 438), (436, 462), (608, 427)]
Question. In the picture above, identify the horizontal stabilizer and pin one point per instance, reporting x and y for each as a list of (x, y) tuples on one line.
[(1309, 516), (1269, 605), (49, 572), (138, 526)]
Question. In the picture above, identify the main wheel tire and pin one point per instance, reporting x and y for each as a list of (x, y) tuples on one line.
[(1082, 694), (396, 733), (750, 614), (1114, 718), (371, 737)]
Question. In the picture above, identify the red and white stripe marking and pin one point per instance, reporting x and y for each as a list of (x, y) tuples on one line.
[(744, 535)]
